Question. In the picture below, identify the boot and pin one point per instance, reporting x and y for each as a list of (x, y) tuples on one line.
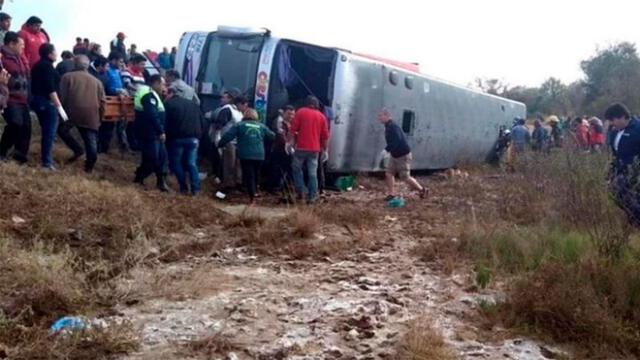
[(162, 183)]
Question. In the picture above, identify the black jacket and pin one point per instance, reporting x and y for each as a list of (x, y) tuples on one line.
[(628, 149), (184, 119), (44, 78), (103, 77), (149, 124), (396, 140)]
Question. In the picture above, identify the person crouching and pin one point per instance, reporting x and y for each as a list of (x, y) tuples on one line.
[(185, 125), (149, 128), (250, 134)]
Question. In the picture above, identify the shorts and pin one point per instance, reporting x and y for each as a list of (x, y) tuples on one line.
[(400, 166)]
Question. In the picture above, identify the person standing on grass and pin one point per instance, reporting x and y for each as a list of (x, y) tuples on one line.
[(80, 48), (149, 128), (625, 167), (540, 137), (67, 64), (114, 87), (185, 125), (400, 162), (5, 25), (17, 132), (211, 138), (172, 56), (280, 158), (182, 89), (164, 60), (83, 98), (228, 117), (45, 85), (117, 45), (309, 133), (250, 134), (132, 80), (95, 52), (597, 136), (520, 136), (34, 37)]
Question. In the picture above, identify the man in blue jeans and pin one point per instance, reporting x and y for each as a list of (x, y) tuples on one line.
[(184, 128), (82, 96), (149, 128), (310, 133)]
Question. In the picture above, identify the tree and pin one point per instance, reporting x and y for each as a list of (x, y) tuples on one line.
[(491, 86), (612, 75)]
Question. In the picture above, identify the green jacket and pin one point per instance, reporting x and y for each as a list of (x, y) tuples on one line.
[(251, 135)]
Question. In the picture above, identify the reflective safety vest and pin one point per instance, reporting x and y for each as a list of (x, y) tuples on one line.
[(142, 91)]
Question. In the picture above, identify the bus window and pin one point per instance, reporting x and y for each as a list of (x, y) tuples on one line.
[(232, 64), (408, 82), (394, 78), (408, 121)]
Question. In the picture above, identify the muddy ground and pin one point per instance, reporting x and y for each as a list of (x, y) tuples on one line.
[(356, 304)]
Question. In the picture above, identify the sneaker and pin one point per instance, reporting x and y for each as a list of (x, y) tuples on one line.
[(50, 168)]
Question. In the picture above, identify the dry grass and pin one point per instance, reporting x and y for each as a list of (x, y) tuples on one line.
[(349, 214), (209, 347), (423, 342), (108, 342), (68, 241), (589, 303), (565, 249), (306, 234), (305, 224), (172, 284), (248, 219)]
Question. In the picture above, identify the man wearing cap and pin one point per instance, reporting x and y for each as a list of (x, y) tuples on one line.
[(5, 25), (117, 45), (34, 37)]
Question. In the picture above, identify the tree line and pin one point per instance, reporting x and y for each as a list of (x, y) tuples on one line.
[(611, 75)]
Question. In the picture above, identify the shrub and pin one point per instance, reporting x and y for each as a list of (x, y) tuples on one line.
[(422, 342)]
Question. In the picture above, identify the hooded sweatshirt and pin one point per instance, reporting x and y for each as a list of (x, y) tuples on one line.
[(32, 43), (17, 66)]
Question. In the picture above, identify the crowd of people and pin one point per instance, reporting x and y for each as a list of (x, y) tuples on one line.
[(172, 134), (585, 133), (169, 131)]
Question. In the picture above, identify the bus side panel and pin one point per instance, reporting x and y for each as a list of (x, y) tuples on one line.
[(451, 124), (356, 136)]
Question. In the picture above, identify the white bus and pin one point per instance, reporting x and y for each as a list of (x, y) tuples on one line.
[(445, 123)]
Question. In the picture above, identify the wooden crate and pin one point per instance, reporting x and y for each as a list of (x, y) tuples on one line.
[(117, 108)]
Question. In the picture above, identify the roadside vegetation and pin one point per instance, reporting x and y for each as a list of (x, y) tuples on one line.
[(569, 258), (68, 244)]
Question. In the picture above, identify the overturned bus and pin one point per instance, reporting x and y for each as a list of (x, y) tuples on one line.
[(445, 123)]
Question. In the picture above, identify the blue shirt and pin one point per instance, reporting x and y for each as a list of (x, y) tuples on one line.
[(164, 60), (114, 85)]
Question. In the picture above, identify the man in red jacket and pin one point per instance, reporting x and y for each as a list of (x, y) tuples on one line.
[(310, 134), (18, 129), (34, 37)]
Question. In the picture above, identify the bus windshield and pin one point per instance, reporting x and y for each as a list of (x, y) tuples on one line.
[(232, 64)]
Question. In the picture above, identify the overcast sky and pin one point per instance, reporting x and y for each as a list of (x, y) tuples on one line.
[(519, 41)]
